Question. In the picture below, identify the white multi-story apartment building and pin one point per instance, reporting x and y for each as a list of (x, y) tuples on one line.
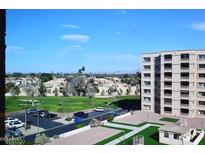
[(173, 82)]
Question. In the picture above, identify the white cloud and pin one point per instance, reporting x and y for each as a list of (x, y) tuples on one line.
[(72, 48), (199, 26), (14, 49), (117, 33), (75, 38), (70, 26)]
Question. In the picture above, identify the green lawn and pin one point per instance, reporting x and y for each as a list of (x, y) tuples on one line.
[(60, 104), (107, 140), (169, 119), (150, 137), (202, 142)]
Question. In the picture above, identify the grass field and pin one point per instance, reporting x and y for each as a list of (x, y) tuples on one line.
[(150, 137), (169, 119), (61, 104)]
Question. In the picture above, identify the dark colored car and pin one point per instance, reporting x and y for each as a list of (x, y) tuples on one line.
[(81, 114), (31, 111), (50, 115), (13, 132), (41, 113)]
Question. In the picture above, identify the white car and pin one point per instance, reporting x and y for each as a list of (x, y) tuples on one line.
[(16, 124), (9, 119), (99, 109)]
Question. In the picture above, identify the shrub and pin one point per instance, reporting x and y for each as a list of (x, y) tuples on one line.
[(94, 123), (15, 141), (68, 119), (110, 118), (41, 139), (80, 125), (56, 136)]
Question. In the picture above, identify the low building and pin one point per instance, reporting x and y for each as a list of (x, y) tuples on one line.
[(179, 135)]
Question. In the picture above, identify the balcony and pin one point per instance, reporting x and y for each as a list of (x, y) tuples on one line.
[(167, 93), (184, 66), (167, 57), (184, 57), (146, 59), (167, 66)]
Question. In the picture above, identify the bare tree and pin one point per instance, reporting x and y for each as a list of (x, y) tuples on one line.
[(31, 91)]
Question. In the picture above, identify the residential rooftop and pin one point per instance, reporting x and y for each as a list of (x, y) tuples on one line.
[(158, 52)]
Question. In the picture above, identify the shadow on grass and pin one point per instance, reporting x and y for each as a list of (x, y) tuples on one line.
[(129, 104)]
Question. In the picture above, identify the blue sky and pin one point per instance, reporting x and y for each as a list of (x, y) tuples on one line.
[(100, 40)]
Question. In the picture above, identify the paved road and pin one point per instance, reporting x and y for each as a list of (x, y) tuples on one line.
[(65, 128)]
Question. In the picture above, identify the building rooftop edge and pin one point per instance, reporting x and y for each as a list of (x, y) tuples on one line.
[(172, 51)]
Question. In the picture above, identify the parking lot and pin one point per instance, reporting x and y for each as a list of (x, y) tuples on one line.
[(56, 123)]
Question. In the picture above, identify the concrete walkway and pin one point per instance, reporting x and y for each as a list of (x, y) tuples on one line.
[(120, 126), (134, 131)]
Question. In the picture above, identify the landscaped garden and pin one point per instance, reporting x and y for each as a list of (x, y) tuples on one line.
[(169, 119), (62, 104), (150, 134)]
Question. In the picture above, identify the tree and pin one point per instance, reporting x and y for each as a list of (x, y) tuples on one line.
[(56, 91), (15, 91), (31, 91), (63, 91), (41, 139), (42, 89), (46, 77), (128, 90), (8, 86), (91, 90), (15, 141), (103, 92), (111, 90)]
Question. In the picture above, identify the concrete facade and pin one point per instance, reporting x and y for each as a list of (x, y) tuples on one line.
[(177, 83)]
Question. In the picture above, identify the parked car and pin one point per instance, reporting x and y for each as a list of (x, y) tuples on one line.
[(81, 114), (40, 112), (16, 124), (99, 109), (31, 111), (8, 119), (50, 115), (12, 132)]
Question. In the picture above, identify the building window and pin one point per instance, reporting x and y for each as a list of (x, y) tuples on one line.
[(201, 94), (184, 56), (147, 99), (185, 75), (167, 66), (176, 136), (168, 75), (147, 91), (167, 101), (201, 66), (202, 57), (184, 111), (147, 75), (167, 83), (201, 103), (166, 134), (147, 67), (201, 84), (201, 112), (168, 92), (167, 109), (184, 93), (184, 84), (184, 65), (147, 59), (147, 107), (167, 57), (184, 102), (201, 75), (147, 83)]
